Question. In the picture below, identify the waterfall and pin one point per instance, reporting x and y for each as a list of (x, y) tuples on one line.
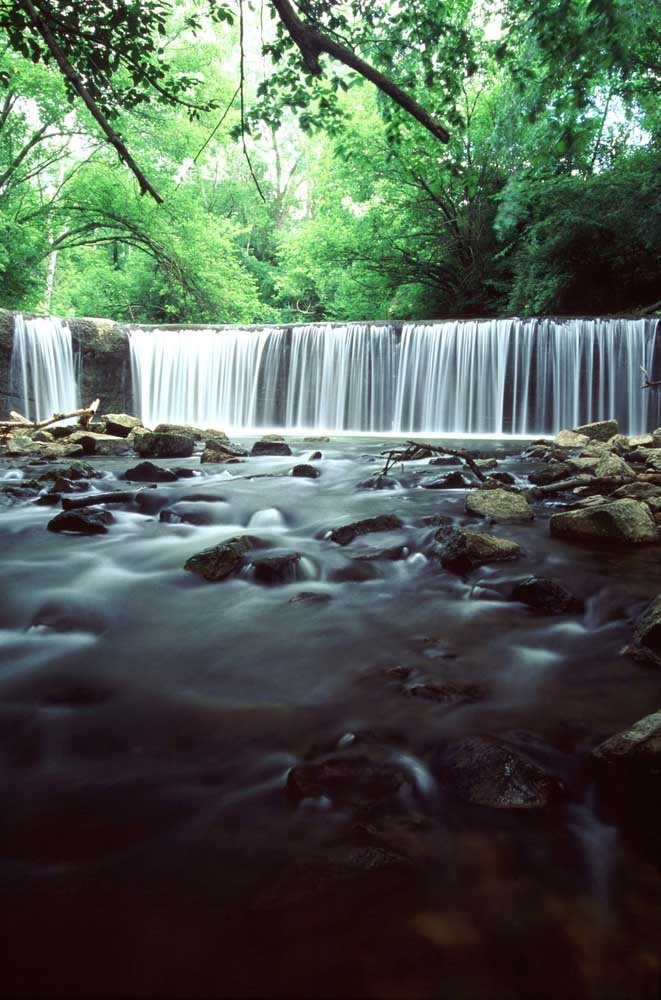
[(42, 367), (511, 376)]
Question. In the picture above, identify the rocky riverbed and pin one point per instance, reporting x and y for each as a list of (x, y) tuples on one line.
[(293, 718)]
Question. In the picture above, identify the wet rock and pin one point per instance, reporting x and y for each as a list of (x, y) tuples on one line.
[(48, 499), (378, 483), (601, 430), (64, 485), (121, 424), (486, 464), (91, 500), (315, 456), (461, 551), (276, 570), (219, 453), (147, 472), (545, 595), (628, 771), (501, 506), (270, 447), (383, 522), (554, 472), (77, 470), (614, 522), (316, 440), (453, 481), (445, 693), (165, 444), (646, 643), (22, 445), (486, 772), (169, 516), (354, 571), (310, 597), (432, 520), (570, 439), (99, 444), (88, 521), (351, 779), (197, 433), (305, 472), (393, 552), (444, 460), (186, 473), (223, 560), (636, 491), (503, 477)]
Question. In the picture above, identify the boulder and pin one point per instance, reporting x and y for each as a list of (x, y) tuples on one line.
[(147, 472), (502, 477), (357, 780), (121, 424), (383, 522), (500, 506), (636, 491), (641, 441), (23, 445), (486, 772), (223, 560), (217, 452), (453, 481), (190, 431), (613, 467), (305, 472), (653, 459), (99, 444), (165, 444), (544, 595), (601, 430), (621, 444), (628, 771), (77, 470), (43, 436), (554, 472), (270, 447), (646, 643), (394, 552), (486, 464), (275, 570), (570, 439), (378, 483), (88, 521), (616, 522), (461, 551)]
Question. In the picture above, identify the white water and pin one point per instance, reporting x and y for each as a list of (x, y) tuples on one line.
[(523, 377), (42, 367)]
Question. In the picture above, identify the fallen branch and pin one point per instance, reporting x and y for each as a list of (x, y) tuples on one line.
[(594, 482), (413, 448), (85, 414), (649, 383)]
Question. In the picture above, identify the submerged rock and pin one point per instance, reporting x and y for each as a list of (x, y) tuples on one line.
[(77, 470), (88, 521), (347, 533), (545, 596), (486, 772), (223, 560), (147, 472), (311, 597), (554, 472), (501, 506), (352, 779), (446, 693), (305, 472), (165, 444), (378, 483), (461, 551), (393, 552), (270, 447), (453, 481), (614, 522), (275, 570)]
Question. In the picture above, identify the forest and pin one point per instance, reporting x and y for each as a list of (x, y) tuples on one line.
[(252, 181)]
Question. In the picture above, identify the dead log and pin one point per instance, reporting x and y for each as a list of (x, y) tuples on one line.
[(84, 413), (412, 449)]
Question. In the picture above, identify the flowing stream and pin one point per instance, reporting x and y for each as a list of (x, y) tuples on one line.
[(149, 720)]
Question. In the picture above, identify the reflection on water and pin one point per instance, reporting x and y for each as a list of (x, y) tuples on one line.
[(150, 842)]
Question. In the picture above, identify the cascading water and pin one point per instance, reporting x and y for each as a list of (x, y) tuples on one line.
[(511, 376), (42, 367)]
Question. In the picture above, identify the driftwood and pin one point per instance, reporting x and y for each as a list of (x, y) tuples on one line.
[(594, 482), (412, 449), (19, 422), (649, 383)]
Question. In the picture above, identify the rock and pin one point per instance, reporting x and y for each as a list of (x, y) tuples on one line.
[(315, 456), (613, 467), (453, 481), (486, 464), (501, 506), (461, 551), (347, 533), (352, 779), (628, 770), (595, 449), (636, 491), (503, 477), (653, 459), (394, 552), (614, 522), (583, 465), (270, 447), (121, 424), (601, 430), (165, 444), (188, 430), (310, 597), (354, 571), (621, 444), (486, 772), (433, 520), (88, 521), (316, 440), (646, 643), (223, 560), (22, 445), (217, 452), (276, 570), (378, 483), (642, 742), (99, 444), (305, 472), (44, 436), (641, 441), (77, 470), (147, 472), (554, 472), (570, 439), (545, 596), (446, 693), (445, 460), (169, 516)]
